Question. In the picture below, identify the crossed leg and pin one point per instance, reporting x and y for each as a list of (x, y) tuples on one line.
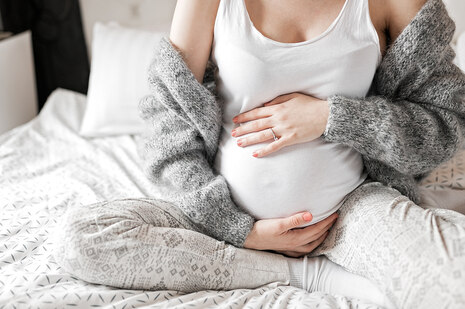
[(415, 255), (150, 244)]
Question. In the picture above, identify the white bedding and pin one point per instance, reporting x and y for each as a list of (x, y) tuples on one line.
[(45, 166)]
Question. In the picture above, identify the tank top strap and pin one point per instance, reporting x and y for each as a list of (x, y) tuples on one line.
[(356, 23), (231, 19), (353, 21), (357, 16)]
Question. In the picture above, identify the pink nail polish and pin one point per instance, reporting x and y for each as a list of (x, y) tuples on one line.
[(233, 132), (239, 143), (307, 217), (255, 154)]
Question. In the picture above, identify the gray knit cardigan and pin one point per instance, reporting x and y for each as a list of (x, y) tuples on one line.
[(412, 120)]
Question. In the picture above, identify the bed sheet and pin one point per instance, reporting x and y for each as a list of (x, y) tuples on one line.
[(45, 167)]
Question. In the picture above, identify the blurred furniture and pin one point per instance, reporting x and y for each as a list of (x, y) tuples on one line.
[(18, 99), (57, 39), (4, 35)]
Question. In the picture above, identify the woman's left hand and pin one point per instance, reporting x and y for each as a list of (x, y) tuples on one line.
[(295, 118)]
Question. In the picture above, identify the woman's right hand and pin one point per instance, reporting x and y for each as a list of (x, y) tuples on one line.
[(283, 236)]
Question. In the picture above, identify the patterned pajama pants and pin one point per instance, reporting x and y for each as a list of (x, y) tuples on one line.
[(415, 255)]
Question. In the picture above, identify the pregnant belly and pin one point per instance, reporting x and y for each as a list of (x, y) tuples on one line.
[(315, 176)]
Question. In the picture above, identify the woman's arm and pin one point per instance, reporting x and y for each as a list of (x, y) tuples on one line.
[(398, 14), (416, 120), (177, 154), (192, 32), (178, 149)]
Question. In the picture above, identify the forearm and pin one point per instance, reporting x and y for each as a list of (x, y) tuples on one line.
[(413, 135), (174, 157)]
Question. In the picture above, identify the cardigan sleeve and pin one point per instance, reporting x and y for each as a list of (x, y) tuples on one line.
[(183, 127), (175, 160), (413, 134)]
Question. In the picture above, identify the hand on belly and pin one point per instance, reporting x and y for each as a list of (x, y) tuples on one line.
[(295, 118), (313, 176), (283, 236)]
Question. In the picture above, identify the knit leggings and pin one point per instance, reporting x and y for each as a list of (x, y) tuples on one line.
[(415, 255)]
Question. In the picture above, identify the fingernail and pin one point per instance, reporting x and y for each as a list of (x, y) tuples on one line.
[(235, 119), (307, 216), (255, 154), (239, 142), (233, 132)]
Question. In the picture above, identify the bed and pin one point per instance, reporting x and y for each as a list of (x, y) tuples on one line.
[(47, 165)]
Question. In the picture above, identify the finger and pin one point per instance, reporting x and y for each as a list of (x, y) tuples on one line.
[(253, 114), (323, 222), (271, 147), (312, 238), (312, 246), (304, 239), (258, 137), (291, 253), (285, 224), (253, 126), (279, 99), (306, 234)]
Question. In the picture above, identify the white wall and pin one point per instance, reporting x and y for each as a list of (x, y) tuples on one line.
[(143, 14), (156, 14), (456, 9), (18, 100)]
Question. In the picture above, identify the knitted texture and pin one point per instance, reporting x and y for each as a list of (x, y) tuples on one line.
[(412, 120), (184, 120), (414, 116)]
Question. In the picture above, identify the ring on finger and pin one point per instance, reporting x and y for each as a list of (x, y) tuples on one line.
[(274, 135)]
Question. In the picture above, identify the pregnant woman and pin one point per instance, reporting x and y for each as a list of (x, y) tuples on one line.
[(305, 175)]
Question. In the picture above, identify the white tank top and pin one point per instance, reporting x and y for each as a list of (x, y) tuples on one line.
[(253, 69)]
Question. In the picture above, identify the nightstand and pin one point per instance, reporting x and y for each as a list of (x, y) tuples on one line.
[(18, 97)]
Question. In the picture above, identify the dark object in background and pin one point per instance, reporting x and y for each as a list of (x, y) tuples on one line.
[(59, 47)]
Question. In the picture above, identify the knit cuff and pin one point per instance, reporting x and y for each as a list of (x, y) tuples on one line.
[(234, 230), (339, 120)]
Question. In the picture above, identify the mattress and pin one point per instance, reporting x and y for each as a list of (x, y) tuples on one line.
[(46, 166)]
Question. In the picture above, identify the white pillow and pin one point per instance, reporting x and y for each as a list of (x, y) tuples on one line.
[(118, 79)]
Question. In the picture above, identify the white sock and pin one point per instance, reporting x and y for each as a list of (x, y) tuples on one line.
[(296, 271), (320, 274)]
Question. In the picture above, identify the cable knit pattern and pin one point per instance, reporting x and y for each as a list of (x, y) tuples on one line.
[(414, 116), (184, 126), (412, 120)]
